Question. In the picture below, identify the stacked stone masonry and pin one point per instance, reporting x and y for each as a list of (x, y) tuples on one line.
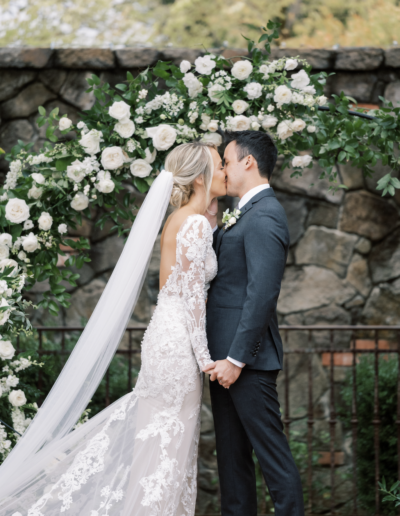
[(344, 260)]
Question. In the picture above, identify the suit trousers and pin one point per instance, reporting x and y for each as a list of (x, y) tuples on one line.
[(247, 418)]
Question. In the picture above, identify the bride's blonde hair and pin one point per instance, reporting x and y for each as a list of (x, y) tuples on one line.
[(187, 162)]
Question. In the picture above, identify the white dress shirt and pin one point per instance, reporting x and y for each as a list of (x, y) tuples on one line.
[(244, 200)]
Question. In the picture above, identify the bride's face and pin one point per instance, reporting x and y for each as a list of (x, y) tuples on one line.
[(218, 185)]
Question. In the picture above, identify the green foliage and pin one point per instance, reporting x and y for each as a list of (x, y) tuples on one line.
[(388, 372), (392, 494)]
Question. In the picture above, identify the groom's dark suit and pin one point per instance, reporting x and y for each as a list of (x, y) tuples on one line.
[(242, 324)]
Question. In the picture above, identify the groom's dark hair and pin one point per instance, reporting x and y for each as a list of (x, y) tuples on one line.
[(259, 144)]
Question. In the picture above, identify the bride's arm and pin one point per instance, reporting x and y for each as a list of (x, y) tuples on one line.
[(193, 253)]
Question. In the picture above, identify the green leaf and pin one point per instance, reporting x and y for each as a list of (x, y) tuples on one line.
[(171, 83), (63, 163), (161, 73), (141, 184), (122, 87), (263, 38), (42, 111), (342, 156)]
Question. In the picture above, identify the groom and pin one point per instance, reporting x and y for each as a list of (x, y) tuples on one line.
[(243, 335)]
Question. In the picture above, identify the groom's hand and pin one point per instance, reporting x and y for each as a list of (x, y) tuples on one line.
[(225, 372)]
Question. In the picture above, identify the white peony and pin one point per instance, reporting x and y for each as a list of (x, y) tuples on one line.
[(240, 106), (150, 156), (7, 350), (164, 136), (213, 126), (4, 315), (64, 123), (291, 64), (45, 221), (240, 123), (253, 90), (17, 210), (62, 229), (284, 129), (125, 128), (35, 192), (298, 125), (30, 243), (204, 65), (215, 88), (311, 129), (91, 141), (6, 239), (185, 66), (76, 172), (269, 121), (283, 95), (214, 138), (322, 100), (242, 69), (301, 161), (38, 178), (80, 202), (119, 110), (112, 158), (300, 80), (17, 398), (4, 251), (141, 168)]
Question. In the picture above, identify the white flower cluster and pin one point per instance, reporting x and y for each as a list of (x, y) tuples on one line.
[(12, 176), (78, 170), (20, 422), (192, 83), (172, 104), (5, 443), (38, 160)]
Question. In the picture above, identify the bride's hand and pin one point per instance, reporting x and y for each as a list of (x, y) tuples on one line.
[(209, 368), (211, 212)]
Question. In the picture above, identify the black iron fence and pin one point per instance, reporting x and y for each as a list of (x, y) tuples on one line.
[(326, 348)]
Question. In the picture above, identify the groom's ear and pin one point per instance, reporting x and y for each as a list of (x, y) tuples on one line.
[(250, 162)]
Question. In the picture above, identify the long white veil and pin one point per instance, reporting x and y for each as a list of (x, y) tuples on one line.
[(94, 350)]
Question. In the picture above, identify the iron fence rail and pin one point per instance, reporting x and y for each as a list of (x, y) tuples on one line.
[(373, 333)]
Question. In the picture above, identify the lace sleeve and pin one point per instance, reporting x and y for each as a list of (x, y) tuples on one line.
[(193, 252)]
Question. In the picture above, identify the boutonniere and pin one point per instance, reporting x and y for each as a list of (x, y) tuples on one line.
[(230, 219)]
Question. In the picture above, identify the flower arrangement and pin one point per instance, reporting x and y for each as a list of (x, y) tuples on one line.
[(123, 140)]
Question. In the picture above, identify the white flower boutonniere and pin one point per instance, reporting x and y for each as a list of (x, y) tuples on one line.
[(230, 219)]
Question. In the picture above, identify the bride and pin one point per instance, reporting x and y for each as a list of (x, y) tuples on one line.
[(137, 457)]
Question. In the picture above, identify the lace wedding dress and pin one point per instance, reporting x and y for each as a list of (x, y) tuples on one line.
[(138, 457)]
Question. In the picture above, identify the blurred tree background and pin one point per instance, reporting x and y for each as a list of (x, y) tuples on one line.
[(193, 23)]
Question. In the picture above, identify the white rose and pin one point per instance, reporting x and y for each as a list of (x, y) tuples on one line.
[(204, 65), (91, 141), (270, 108), (302, 161), (322, 100), (264, 69), (240, 123), (291, 64), (3, 288), (240, 106), (310, 90), (76, 172), (7, 350), (164, 137), (45, 221), (6, 314), (298, 125), (17, 398), (9, 262), (253, 90), (150, 156), (35, 192), (22, 255), (195, 89), (189, 80), (119, 110), (185, 66), (64, 123), (17, 210), (214, 138), (283, 95), (300, 80), (80, 202), (141, 168), (112, 158), (284, 129), (125, 129), (311, 128), (12, 380), (62, 229), (206, 120), (255, 126), (30, 243), (28, 224), (214, 89), (232, 221), (213, 126), (269, 121), (105, 186), (38, 178), (242, 69), (6, 239), (4, 251)]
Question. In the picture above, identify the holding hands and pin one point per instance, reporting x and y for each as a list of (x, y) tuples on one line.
[(224, 371)]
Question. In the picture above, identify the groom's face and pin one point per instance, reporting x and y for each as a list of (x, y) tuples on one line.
[(234, 170)]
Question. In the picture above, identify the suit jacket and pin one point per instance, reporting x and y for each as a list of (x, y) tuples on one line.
[(241, 309)]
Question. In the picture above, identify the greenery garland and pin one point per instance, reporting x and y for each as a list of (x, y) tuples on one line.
[(123, 140)]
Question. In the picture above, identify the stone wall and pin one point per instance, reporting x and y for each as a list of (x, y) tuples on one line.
[(344, 262)]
